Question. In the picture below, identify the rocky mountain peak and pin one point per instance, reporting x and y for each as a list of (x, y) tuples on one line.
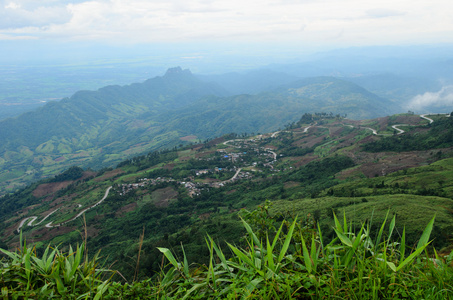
[(177, 71)]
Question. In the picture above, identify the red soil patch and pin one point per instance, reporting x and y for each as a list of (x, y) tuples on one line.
[(125, 209), (50, 188), (302, 161), (169, 166), (382, 123), (215, 141), (188, 138), (204, 154), (309, 141), (272, 147), (210, 180), (163, 196), (349, 173), (231, 192), (291, 184), (388, 162), (87, 174), (335, 131), (108, 175), (409, 119), (204, 216), (81, 154)]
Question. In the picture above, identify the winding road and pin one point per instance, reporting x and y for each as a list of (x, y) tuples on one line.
[(429, 119), (49, 225), (400, 131)]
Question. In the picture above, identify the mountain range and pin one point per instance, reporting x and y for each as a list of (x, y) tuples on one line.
[(100, 128)]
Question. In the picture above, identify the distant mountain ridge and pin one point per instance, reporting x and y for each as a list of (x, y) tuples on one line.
[(100, 128)]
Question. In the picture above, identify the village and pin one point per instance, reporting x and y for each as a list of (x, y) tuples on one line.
[(251, 159)]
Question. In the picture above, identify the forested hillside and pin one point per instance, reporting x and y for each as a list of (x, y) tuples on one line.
[(97, 129), (314, 167)]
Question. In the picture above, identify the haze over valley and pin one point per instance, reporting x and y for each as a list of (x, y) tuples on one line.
[(208, 149)]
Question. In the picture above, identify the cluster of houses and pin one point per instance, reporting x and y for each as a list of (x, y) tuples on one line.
[(195, 188), (143, 182)]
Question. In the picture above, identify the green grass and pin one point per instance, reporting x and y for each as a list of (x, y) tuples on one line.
[(293, 261), (52, 275)]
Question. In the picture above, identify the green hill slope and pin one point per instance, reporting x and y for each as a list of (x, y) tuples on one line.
[(179, 196), (101, 128)]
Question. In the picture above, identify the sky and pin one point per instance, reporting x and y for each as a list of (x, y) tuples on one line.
[(32, 29)]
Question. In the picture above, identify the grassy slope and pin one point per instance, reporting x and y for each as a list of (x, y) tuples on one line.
[(117, 224)]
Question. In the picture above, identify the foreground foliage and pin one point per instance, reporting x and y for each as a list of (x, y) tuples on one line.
[(52, 275), (291, 262), (300, 265)]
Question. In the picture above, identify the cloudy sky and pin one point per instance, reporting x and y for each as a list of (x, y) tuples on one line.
[(313, 24)]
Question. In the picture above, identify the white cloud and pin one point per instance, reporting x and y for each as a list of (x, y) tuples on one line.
[(383, 13), (442, 98), (26, 14), (294, 21)]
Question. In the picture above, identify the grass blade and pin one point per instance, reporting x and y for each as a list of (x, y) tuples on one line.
[(270, 258), (343, 238), (403, 244), (287, 241), (426, 233), (392, 226), (411, 257), (306, 255), (251, 233), (381, 230), (186, 264), (169, 256)]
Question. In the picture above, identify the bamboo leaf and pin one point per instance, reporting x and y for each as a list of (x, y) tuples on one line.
[(68, 269), (186, 264), (287, 241), (354, 246), (220, 255), (60, 286), (101, 290), (345, 223), (403, 244), (274, 242), (211, 266), (5, 292), (337, 223), (194, 287), (307, 260), (252, 285), (378, 239), (251, 233), (40, 263), (343, 238), (169, 256), (76, 261), (411, 257), (242, 256), (426, 233), (392, 266), (169, 277), (270, 258), (321, 242), (14, 256), (358, 239), (392, 226)]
